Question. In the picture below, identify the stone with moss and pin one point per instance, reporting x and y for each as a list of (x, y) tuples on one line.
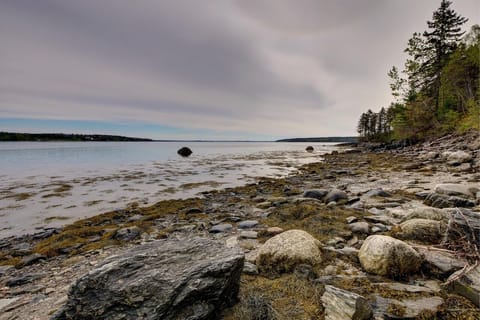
[(285, 251), (387, 256)]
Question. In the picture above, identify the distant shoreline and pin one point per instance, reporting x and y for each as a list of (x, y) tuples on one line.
[(14, 136), (62, 137)]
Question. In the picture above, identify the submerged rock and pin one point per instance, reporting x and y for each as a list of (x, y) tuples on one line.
[(386, 256), (185, 151), (288, 249), (166, 279)]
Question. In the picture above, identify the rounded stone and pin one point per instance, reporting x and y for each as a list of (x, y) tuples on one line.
[(387, 256), (422, 230), (285, 251)]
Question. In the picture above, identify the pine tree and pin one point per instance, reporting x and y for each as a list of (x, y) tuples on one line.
[(441, 41)]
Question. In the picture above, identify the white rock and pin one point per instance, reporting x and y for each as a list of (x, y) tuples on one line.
[(288, 249), (384, 255)]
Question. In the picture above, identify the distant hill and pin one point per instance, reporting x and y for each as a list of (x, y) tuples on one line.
[(14, 136), (321, 139)]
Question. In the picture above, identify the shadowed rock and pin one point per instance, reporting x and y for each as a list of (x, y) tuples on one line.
[(185, 151), (166, 279)]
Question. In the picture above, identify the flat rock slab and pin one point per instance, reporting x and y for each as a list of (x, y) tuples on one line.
[(6, 302), (247, 224), (220, 228), (166, 279), (444, 262), (454, 189), (340, 305), (412, 308), (466, 284)]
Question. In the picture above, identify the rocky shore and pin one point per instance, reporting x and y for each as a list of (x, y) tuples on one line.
[(365, 233)]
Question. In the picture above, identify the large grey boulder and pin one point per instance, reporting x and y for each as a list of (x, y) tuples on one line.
[(342, 305), (285, 251), (166, 279), (335, 195), (387, 256)]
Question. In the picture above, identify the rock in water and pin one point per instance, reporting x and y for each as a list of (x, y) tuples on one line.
[(166, 279), (309, 149), (288, 249), (387, 256), (341, 305), (185, 151)]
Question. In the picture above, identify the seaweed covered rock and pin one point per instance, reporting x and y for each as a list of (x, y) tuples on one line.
[(167, 279), (387, 256), (424, 230), (285, 251)]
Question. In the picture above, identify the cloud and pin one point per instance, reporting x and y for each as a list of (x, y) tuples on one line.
[(270, 67)]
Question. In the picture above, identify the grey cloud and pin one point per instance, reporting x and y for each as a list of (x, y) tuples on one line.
[(274, 67)]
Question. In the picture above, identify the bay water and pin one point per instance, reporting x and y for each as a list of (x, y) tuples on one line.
[(49, 184)]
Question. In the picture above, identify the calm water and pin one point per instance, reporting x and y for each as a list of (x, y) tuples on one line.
[(53, 183)]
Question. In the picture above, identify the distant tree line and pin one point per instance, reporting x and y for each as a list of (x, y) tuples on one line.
[(14, 136), (437, 92)]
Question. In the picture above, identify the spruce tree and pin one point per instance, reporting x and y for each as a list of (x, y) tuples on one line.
[(441, 40)]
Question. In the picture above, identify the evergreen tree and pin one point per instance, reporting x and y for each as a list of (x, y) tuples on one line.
[(441, 41)]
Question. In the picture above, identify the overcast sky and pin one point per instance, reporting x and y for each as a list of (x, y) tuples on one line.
[(215, 69)]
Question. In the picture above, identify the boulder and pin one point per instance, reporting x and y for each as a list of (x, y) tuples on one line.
[(185, 151), (466, 284), (342, 305), (315, 193), (386, 256), (443, 201), (167, 279), (359, 227), (335, 195), (429, 213), (220, 228), (309, 149), (247, 224), (465, 223), (378, 193), (283, 252), (457, 157), (456, 189), (422, 230)]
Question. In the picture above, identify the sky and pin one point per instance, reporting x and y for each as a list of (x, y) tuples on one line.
[(193, 69)]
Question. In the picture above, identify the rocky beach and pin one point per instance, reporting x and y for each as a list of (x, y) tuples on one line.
[(371, 232)]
